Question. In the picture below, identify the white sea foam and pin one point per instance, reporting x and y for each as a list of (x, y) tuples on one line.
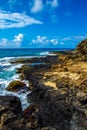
[(44, 53), (8, 74), (21, 96)]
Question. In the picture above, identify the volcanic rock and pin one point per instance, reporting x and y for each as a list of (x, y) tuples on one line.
[(15, 86)]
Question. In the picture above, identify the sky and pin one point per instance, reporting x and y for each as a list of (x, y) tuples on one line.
[(42, 23)]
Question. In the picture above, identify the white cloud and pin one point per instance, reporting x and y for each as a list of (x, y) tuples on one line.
[(16, 42), (40, 40), (19, 37), (44, 41), (54, 41), (15, 20), (37, 7)]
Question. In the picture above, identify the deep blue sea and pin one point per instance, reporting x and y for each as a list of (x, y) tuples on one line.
[(28, 52), (8, 70)]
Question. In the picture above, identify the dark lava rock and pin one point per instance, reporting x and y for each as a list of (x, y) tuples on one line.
[(12, 117), (18, 70), (53, 110), (10, 113), (33, 73), (11, 103), (29, 111), (15, 86), (48, 59)]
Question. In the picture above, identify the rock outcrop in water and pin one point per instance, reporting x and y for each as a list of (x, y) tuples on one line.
[(15, 86)]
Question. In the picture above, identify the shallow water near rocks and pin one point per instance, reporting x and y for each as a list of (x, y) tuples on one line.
[(8, 70), (8, 74)]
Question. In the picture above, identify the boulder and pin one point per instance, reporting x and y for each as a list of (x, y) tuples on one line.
[(15, 86)]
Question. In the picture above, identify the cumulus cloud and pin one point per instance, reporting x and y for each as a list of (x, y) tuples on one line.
[(44, 41), (16, 42), (15, 20), (54, 41), (37, 7), (19, 37)]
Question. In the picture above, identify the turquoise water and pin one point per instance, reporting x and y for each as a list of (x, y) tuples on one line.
[(8, 70)]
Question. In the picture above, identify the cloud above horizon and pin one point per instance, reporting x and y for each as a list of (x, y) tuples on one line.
[(16, 42), (16, 20), (18, 38), (44, 41), (40, 41)]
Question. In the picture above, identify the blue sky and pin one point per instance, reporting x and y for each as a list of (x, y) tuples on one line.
[(42, 23)]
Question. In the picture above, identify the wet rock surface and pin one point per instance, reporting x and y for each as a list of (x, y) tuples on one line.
[(16, 85)]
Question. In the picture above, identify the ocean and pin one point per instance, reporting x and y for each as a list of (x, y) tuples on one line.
[(8, 70)]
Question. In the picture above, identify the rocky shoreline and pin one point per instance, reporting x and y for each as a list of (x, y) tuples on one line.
[(58, 97)]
